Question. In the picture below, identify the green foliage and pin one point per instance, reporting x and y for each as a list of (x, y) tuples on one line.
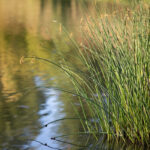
[(115, 84), (112, 82)]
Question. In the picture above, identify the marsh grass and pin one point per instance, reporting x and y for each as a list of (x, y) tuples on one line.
[(115, 83)]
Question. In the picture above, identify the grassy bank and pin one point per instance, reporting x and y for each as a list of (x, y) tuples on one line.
[(115, 82)]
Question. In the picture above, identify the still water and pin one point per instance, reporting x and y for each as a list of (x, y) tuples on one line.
[(28, 99)]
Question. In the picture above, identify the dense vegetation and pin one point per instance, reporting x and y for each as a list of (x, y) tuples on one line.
[(112, 81), (115, 82)]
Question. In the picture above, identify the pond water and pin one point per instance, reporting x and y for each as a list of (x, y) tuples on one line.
[(28, 99)]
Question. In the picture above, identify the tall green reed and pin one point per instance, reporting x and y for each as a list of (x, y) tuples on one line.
[(115, 83)]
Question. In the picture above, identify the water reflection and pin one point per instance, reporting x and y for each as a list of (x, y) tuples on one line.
[(52, 110), (19, 119), (20, 98)]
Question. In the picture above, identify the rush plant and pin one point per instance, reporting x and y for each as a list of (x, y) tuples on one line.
[(115, 82)]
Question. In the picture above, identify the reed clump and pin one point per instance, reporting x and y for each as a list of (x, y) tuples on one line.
[(115, 83)]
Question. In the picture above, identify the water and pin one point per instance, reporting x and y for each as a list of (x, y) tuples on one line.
[(33, 28), (28, 100)]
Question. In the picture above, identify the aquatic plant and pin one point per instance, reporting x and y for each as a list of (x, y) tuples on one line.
[(115, 82), (112, 82)]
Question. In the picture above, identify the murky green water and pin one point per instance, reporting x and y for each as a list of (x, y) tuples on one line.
[(27, 99)]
